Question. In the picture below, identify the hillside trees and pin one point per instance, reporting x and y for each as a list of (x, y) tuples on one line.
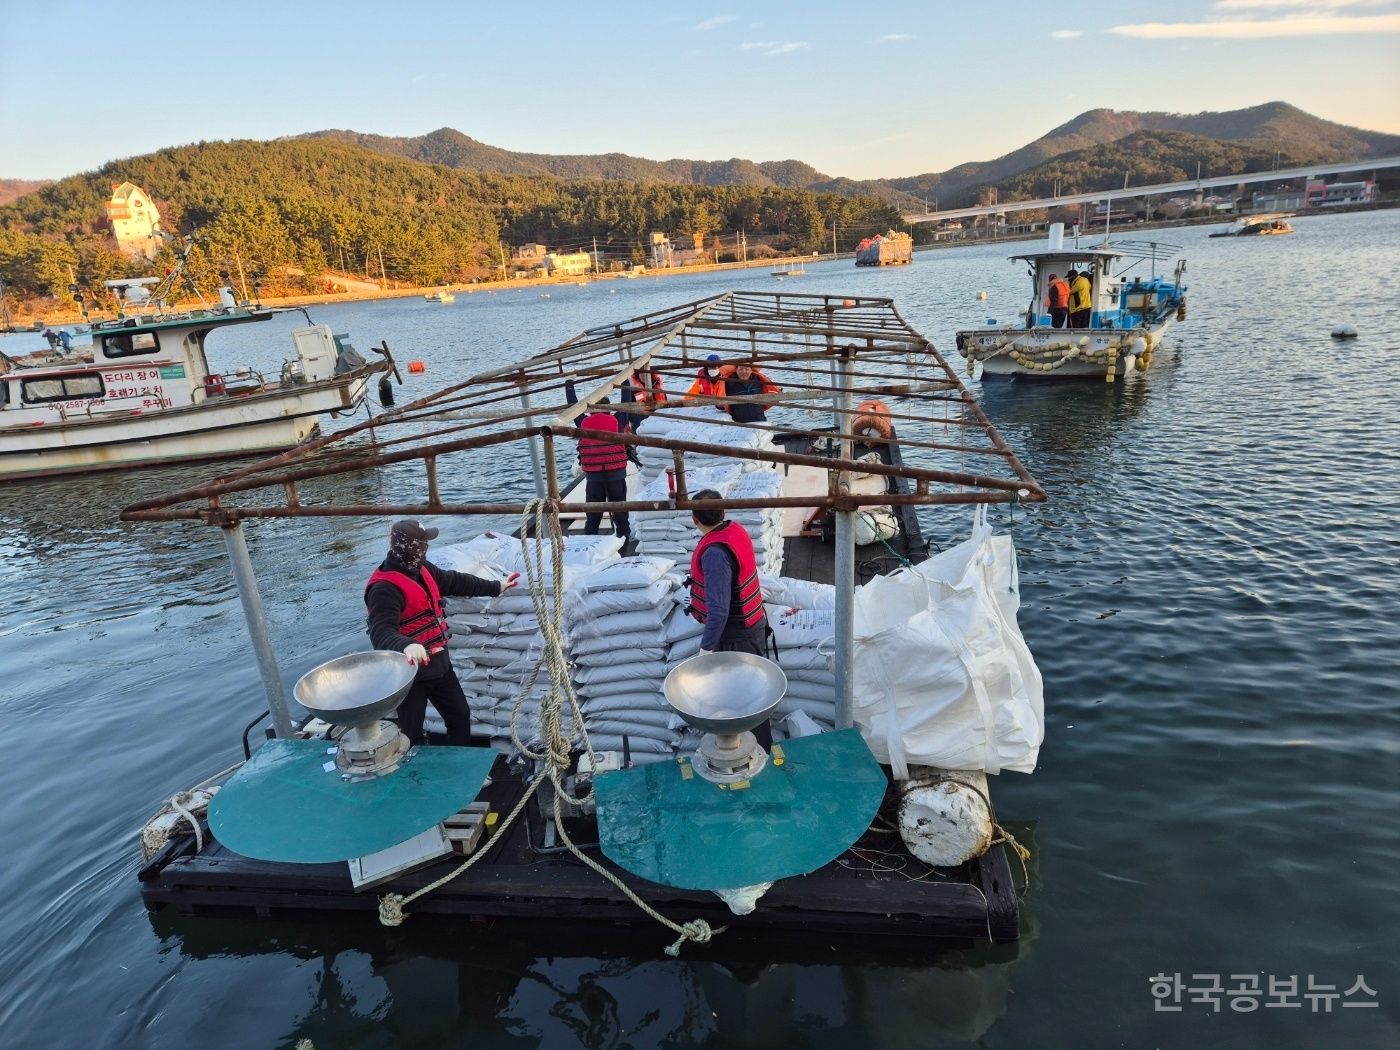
[(304, 206)]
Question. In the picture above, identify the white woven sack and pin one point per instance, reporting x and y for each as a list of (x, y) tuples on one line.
[(942, 678)]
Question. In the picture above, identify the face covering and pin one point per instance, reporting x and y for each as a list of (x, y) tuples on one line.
[(713, 373), (408, 551)]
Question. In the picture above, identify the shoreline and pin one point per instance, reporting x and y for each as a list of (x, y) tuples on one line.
[(25, 321), (63, 318)]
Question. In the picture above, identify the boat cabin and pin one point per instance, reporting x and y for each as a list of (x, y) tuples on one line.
[(151, 363), (1120, 299)]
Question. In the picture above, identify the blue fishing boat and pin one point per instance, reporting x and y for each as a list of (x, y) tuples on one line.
[(1128, 309)]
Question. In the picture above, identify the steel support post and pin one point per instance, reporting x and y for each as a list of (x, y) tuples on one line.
[(257, 628), (845, 617), (534, 444), (845, 557)]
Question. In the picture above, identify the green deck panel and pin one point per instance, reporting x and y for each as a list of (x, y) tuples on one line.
[(791, 819), (283, 805)]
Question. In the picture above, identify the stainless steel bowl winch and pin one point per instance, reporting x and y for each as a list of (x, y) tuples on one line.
[(727, 695), (356, 692)]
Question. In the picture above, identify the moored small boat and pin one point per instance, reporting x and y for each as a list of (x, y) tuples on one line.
[(144, 392), (1262, 225), (443, 296), (1115, 335)]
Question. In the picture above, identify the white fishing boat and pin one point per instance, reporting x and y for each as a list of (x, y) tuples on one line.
[(1128, 316), (1270, 224), (145, 392), (443, 296)]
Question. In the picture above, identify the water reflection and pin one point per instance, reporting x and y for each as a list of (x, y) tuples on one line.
[(540, 986)]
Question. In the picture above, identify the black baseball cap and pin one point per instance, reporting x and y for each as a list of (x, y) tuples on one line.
[(413, 530)]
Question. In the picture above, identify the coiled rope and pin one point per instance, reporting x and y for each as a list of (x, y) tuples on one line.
[(547, 597)]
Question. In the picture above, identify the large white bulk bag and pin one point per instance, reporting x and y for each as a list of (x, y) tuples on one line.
[(943, 677)]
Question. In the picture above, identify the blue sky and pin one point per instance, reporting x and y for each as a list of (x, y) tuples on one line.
[(857, 89)]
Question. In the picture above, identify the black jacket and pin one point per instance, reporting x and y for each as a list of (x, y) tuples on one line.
[(385, 604)]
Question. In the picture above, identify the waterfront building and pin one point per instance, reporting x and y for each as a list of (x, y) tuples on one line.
[(568, 264), (135, 221)]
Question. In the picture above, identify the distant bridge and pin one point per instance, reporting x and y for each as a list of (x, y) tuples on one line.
[(1187, 186)]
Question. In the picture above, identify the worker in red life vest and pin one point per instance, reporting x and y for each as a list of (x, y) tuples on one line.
[(1057, 299), (724, 591), (604, 465), (404, 602), (709, 381)]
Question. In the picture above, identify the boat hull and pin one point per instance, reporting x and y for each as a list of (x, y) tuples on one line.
[(247, 426), (1062, 353)]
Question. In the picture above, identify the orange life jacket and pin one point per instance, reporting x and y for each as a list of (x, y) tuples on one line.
[(704, 386)]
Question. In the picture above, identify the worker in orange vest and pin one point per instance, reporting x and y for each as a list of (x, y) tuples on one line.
[(1057, 299)]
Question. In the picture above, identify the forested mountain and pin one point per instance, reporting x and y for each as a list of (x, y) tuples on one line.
[(456, 150), (13, 189), (1274, 127), (296, 207), (444, 207)]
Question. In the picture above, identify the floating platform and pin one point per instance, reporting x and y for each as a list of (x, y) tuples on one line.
[(839, 347), (858, 892)]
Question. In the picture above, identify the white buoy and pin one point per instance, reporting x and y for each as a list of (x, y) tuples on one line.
[(981, 295), (1344, 331), (944, 818)]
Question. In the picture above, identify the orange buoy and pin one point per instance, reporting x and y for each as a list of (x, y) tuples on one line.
[(872, 420), (417, 367)]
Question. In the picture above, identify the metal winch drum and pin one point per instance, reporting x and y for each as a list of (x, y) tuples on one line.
[(727, 695), (356, 692)]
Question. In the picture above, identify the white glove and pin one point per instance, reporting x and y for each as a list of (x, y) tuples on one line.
[(509, 582), (416, 654), (706, 652)]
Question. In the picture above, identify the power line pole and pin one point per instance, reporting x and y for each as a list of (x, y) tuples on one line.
[(833, 238), (383, 277)]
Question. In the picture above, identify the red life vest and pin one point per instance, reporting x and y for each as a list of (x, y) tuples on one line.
[(597, 454), (746, 599), (1058, 294), (422, 618)]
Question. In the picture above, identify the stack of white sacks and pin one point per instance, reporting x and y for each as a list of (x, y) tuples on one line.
[(496, 642), (625, 625), (618, 648), (671, 534)]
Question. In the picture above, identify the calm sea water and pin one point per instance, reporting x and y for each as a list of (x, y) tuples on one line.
[(1211, 594)]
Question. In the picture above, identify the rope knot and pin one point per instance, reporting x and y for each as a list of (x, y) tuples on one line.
[(391, 911), (697, 930)]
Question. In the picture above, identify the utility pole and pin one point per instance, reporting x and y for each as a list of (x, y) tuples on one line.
[(833, 238), (595, 256), (503, 260), (383, 278)]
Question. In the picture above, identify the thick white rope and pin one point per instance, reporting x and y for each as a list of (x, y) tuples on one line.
[(557, 744)]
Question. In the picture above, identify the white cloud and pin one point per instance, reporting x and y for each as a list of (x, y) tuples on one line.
[(1312, 5), (1301, 25), (774, 47), (895, 38), (716, 22), (1067, 34)]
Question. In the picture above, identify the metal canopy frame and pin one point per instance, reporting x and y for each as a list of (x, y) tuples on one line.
[(825, 352)]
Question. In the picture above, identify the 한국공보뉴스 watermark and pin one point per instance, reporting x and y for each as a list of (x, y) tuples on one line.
[(1246, 992)]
